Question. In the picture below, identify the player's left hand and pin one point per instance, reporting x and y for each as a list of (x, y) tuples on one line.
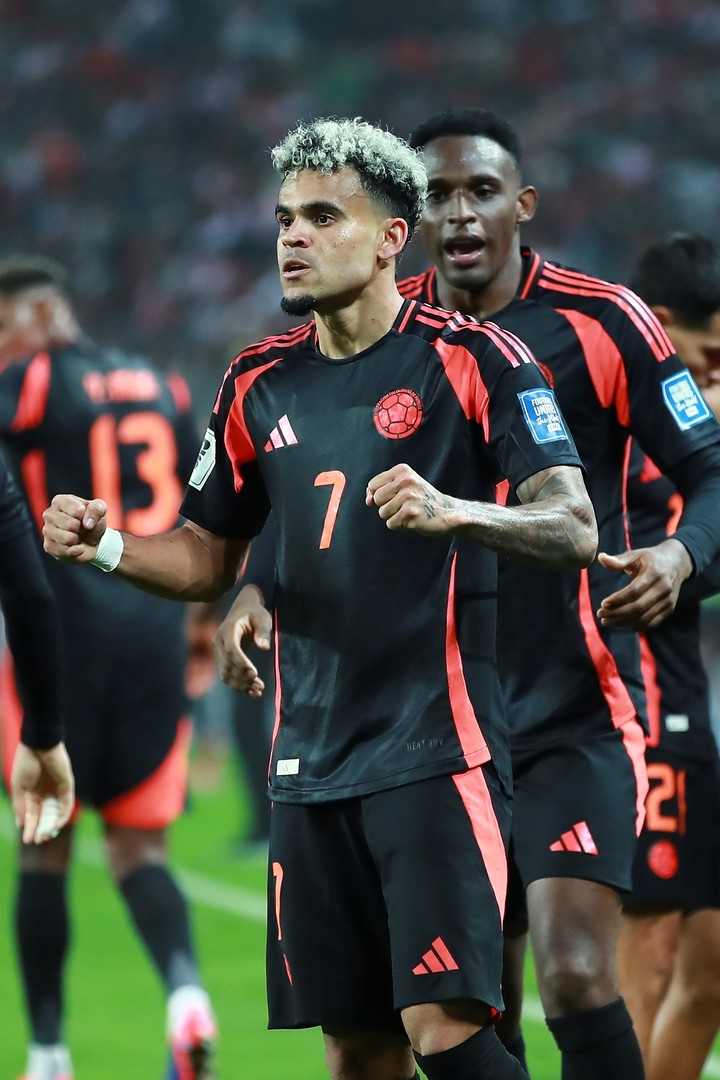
[(657, 575), (406, 501), (42, 789)]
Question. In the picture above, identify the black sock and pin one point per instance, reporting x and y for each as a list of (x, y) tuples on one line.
[(516, 1047), (160, 914), (481, 1057), (598, 1044), (42, 930)]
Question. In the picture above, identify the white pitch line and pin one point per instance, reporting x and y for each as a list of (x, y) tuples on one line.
[(249, 905)]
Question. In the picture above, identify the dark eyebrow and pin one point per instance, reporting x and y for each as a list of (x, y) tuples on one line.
[(319, 206), (479, 178)]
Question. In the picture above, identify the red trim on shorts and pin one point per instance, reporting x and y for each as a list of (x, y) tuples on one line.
[(613, 688), (473, 790), (12, 714), (652, 690), (158, 800), (32, 403), (634, 743), (604, 363), (278, 697), (470, 736)]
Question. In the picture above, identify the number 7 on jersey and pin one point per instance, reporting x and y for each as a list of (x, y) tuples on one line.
[(336, 480)]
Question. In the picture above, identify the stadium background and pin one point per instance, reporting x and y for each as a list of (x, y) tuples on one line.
[(134, 140)]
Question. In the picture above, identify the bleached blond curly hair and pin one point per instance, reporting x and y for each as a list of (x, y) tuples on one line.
[(389, 169)]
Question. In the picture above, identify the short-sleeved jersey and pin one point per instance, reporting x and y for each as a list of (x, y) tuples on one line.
[(110, 426), (615, 373), (385, 639), (677, 683)]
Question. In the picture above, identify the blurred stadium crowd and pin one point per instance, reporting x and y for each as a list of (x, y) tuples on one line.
[(134, 135)]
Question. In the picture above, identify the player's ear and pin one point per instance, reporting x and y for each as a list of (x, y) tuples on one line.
[(526, 203), (663, 315), (393, 239)]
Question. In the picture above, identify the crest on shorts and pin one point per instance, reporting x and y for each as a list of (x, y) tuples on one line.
[(663, 859), (398, 414)]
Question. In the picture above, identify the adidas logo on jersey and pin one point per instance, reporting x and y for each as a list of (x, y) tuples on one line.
[(282, 435)]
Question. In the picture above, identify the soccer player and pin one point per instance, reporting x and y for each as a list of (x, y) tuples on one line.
[(72, 414), (41, 781), (377, 432), (669, 957), (571, 680)]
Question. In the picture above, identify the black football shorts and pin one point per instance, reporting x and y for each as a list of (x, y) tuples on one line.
[(677, 865), (387, 900), (577, 811)]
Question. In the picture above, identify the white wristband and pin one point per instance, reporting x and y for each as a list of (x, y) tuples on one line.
[(109, 550)]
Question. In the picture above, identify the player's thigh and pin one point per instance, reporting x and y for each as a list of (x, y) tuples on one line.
[(576, 806), (328, 945), (440, 848)]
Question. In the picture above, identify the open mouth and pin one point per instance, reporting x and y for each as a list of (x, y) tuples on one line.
[(293, 268), (464, 250)]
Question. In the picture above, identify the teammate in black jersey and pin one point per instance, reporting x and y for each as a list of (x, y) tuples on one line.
[(572, 680), (377, 433), (72, 414), (38, 770), (669, 958)]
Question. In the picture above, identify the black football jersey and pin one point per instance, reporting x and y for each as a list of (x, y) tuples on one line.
[(106, 425), (385, 640), (677, 684), (615, 373)]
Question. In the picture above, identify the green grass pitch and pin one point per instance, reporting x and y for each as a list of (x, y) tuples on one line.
[(115, 1004)]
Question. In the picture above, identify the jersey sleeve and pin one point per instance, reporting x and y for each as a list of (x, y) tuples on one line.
[(31, 618), (226, 494), (520, 415)]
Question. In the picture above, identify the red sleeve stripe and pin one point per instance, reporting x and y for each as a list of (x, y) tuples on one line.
[(421, 317), (238, 444), (640, 315), (470, 736), (412, 287), (33, 399), (603, 361), (463, 374), (502, 340), (282, 341)]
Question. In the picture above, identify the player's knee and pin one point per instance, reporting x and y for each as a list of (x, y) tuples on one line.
[(701, 996), (361, 1057), (576, 981), (438, 1026)]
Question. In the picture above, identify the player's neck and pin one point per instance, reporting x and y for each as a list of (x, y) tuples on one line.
[(358, 325), (484, 302)]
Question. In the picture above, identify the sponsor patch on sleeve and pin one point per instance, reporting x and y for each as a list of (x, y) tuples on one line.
[(685, 403), (542, 415), (205, 461)]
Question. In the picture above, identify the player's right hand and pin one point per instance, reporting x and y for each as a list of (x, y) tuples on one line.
[(247, 623), (73, 527)]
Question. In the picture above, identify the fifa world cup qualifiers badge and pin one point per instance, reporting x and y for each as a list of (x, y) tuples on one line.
[(542, 415), (205, 461), (686, 404)]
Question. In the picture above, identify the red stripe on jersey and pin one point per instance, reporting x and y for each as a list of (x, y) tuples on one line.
[(477, 801), (180, 391), (238, 444), (504, 343), (430, 322), (464, 376), (604, 363), (278, 695), (34, 477), (524, 351), (406, 318), (638, 312), (531, 274), (32, 402), (280, 341), (625, 477), (634, 742), (613, 688), (652, 690), (470, 737)]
